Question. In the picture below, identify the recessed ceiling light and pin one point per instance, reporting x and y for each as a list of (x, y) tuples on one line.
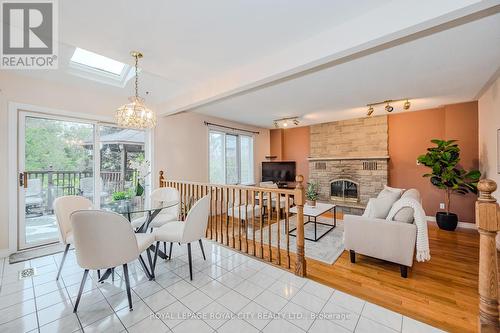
[(97, 61)]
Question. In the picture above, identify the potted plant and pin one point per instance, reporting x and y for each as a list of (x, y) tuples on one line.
[(312, 194), (448, 176), (142, 170)]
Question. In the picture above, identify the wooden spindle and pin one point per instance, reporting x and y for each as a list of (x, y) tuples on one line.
[(269, 223), (287, 228), (253, 223), (240, 206), (278, 218), (261, 203), (299, 195), (162, 179)]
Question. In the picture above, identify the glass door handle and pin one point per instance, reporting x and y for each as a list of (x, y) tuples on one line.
[(23, 179)]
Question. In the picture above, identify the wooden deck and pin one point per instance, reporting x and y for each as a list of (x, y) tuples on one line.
[(442, 292)]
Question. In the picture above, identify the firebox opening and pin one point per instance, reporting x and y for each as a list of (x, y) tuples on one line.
[(344, 190)]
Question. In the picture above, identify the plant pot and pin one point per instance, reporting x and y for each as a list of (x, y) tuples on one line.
[(311, 203), (447, 221)]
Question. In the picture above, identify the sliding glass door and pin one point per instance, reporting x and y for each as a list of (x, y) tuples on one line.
[(63, 156)]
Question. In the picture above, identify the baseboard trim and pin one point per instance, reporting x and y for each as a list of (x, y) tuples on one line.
[(462, 225)]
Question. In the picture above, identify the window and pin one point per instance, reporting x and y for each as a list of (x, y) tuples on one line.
[(97, 61), (230, 158)]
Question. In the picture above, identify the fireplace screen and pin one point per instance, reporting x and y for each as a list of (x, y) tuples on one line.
[(344, 190)]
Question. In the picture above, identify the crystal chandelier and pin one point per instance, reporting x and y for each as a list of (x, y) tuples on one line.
[(135, 114)]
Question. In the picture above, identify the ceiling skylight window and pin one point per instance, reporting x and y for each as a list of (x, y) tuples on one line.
[(97, 61)]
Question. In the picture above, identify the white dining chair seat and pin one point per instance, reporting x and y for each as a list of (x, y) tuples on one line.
[(158, 221), (244, 212), (170, 232), (144, 240)]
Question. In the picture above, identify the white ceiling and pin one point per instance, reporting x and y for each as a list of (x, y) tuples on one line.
[(210, 56), (443, 68)]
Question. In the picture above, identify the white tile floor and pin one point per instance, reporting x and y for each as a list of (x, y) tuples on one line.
[(230, 293)]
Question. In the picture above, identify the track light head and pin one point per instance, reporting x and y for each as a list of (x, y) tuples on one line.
[(406, 105), (295, 122), (370, 111), (389, 108), (276, 125)]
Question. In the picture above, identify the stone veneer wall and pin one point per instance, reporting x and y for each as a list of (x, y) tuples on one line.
[(339, 150)]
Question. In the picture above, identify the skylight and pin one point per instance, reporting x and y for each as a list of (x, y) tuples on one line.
[(97, 61)]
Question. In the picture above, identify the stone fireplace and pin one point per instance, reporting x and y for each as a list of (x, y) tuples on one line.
[(349, 160)]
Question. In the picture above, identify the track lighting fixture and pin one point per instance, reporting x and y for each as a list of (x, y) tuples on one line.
[(388, 107), (370, 111), (407, 105), (286, 122)]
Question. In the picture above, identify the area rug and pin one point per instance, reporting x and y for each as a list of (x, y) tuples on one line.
[(328, 249), (35, 253)]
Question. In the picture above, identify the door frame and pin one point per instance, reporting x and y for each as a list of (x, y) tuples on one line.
[(14, 113)]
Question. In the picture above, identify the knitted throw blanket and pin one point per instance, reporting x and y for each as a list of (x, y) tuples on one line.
[(423, 252)]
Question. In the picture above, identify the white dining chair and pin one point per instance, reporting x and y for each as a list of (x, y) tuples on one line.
[(186, 232), (162, 194), (63, 207), (106, 239)]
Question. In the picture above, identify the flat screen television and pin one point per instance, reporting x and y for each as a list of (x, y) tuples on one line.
[(278, 171)]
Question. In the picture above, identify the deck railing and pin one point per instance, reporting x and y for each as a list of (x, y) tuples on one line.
[(56, 183), (488, 224), (253, 220)]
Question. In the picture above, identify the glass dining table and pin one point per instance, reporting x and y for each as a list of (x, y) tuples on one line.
[(130, 209)]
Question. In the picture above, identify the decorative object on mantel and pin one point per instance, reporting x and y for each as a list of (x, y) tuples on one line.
[(285, 122), (448, 176), (271, 157), (388, 107), (135, 114), (312, 193)]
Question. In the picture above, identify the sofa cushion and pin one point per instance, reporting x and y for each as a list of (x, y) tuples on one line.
[(379, 207), (404, 215), (412, 193), (391, 190)]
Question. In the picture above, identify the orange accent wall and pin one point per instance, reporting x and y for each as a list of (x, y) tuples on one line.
[(292, 144), (409, 136)]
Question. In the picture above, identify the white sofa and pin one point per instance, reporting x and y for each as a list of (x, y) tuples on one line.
[(377, 237)]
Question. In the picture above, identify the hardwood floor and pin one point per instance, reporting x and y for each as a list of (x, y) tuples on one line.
[(441, 292)]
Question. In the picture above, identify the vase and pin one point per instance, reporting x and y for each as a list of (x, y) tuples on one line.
[(447, 221)]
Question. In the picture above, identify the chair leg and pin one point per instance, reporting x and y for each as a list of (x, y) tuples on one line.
[(352, 254), (404, 271), (190, 263), (165, 247), (157, 248), (170, 251), (127, 284), (202, 250), (85, 273), (98, 274), (66, 249), (150, 261), (113, 274)]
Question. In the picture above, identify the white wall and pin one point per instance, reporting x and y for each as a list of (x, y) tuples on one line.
[(182, 146), (489, 123)]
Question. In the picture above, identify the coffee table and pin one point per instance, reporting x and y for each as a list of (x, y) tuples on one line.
[(314, 212)]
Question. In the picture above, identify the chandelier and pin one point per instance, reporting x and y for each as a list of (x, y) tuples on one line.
[(135, 114)]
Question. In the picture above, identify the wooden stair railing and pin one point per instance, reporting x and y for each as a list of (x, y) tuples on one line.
[(228, 226), (487, 221)]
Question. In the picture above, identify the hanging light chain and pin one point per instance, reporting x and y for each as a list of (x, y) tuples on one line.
[(136, 75)]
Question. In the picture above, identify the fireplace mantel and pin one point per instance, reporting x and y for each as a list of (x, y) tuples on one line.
[(341, 158)]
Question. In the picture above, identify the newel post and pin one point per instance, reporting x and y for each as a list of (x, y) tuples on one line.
[(299, 196), (162, 179), (487, 224)]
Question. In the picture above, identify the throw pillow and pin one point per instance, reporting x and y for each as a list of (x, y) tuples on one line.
[(391, 190), (404, 215), (380, 207)]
